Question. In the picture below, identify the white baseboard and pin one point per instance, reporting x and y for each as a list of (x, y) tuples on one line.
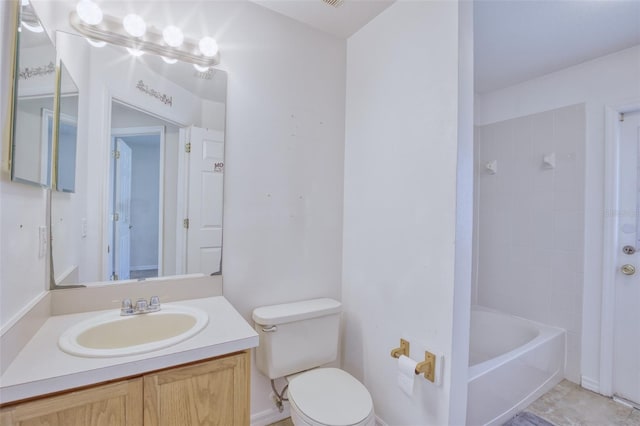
[(590, 384), (272, 415)]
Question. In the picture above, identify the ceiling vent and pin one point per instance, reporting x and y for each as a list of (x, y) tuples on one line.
[(334, 3)]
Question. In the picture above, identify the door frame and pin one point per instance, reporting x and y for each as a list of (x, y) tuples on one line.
[(610, 238), (122, 98)]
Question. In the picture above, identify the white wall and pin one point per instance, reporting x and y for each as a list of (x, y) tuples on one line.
[(464, 218), (213, 115), (400, 204), (283, 163), (22, 207), (607, 80), (530, 221)]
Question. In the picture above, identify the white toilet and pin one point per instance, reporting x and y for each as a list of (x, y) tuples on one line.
[(295, 338)]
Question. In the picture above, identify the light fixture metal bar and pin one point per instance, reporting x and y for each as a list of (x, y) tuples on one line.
[(111, 31)]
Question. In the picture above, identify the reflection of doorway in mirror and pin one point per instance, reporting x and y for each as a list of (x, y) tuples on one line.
[(136, 189)]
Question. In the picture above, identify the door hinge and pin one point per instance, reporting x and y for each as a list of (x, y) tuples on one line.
[(116, 217), (185, 223), (187, 147), (116, 154), (114, 277), (621, 116)]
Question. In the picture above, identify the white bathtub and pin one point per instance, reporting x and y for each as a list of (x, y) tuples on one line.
[(512, 362)]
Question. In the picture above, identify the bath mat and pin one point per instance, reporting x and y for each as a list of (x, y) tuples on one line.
[(527, 419)]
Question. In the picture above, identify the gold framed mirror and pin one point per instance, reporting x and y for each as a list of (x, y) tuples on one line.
[(33, 103)]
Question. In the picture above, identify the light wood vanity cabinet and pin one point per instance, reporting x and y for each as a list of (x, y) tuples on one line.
[(209, 393), (115, 404), (213, 392)]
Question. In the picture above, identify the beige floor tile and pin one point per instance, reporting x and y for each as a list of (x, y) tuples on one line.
[(634, 419), (568, 404)]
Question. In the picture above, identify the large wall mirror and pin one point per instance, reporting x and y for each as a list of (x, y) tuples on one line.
[(33, 124), (141, 182)]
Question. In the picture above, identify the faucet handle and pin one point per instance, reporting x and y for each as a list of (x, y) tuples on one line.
[(126, 307), (154, 302)]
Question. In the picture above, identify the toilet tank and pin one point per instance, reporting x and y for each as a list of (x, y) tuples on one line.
[(296, 336)]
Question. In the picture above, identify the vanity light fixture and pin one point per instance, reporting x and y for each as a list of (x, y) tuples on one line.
[(208, 46), (169, 61), (89, 12), (96, 43), (169, 43), (134, 25), (173, 36), (135, 52), (200, 68), (34, 28)]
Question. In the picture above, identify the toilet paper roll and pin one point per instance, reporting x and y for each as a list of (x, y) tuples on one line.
[(406, 374)]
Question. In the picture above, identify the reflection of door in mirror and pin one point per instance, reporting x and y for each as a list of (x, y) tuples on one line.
[(121, 210), (206, 169)]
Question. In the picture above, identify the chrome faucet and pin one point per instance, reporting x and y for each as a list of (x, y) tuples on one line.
[(141, 306)]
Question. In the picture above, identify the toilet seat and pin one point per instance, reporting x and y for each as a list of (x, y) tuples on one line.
[(330, 397)]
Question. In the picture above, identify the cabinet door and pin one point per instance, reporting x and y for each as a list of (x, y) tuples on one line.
[(117, 404), (214, 392)]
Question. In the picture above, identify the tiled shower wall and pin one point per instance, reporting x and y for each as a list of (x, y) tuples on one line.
[(530, 220)]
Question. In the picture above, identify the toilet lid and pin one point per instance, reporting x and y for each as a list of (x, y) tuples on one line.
[(330, 396)]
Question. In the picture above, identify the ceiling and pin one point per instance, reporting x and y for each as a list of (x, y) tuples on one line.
[(515, 40), (519, 40), (342, 21)]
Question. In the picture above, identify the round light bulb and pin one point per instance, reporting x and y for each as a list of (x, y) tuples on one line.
[(208, 46), (89, 12), (134, 25), (96, 43), (135, 52), (173, 36), (200, 68), (169, 61), (24, 3), (37, 28)]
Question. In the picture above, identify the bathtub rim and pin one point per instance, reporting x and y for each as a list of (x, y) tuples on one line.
[(546, 333)]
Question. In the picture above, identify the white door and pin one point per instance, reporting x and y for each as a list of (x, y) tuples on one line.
[(204, 201), (122, 225), (626, 350)]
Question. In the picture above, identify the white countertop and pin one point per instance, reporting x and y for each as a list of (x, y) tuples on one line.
[(42, 367)]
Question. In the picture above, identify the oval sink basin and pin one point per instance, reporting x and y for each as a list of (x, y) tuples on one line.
[(112, 335)]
